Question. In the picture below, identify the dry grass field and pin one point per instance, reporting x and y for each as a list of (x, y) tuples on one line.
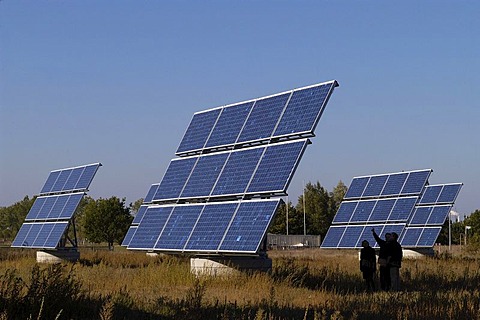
[(303, 284)]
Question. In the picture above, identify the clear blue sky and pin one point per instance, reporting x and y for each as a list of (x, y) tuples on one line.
[(118, 82)]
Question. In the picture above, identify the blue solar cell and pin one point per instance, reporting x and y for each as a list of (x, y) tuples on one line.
[(249, 226), (428, 237), (19, 240), (368, 235), (416, 182), (42, 235), (128, 237), (333, 236), (363, 211), (394, 184), (46, 208), (420, 215), (151, 193), (238, 172), (35, 209), (375, 186), (87, 176), (174, 179), (382, 210), (439, 215), (357, 187), (211, 227), (178, 227), (304, 110), (52, 178), (402, 209), (390, 228), (229, 124), (276, 167), (449, 193), (430, 195), (264, 117), (138, 217), (73, 178), (61, 180), (198, 131), (70, 206), (57, 208), (149, 230), (55, 235), (411, 236), (351, 236), (206, 171), (345, 211), (32, 235)]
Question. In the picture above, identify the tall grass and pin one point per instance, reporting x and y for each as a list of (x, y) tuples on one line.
[(309, 284)]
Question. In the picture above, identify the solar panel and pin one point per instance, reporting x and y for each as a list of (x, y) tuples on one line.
[(249, 226), (40, 235), (151, 193), (198, 131), (70, 179), (174, 179), (229, 125), (150, 228), (139, 216), (277, 166), (60, 207), (304, 110), (128, 237), (398, 202), (264, 117)]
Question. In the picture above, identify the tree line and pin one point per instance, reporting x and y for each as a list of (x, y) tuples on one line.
[(107, 220)]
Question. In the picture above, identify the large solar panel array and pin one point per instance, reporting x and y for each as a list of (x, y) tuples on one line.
[(52, 212), (400, 202), (213, 198)]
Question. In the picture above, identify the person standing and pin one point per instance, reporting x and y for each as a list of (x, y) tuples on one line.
[(394, 261), (382, 260), (368, 264)]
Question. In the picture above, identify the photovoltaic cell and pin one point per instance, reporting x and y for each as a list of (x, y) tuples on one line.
[(303, 110), (263, 118), (430, 195), (178, 228), (416, 181), (420, 215), (449, 193), (174, 179), (277, 166), (345, 211), (211, 227), (428, 237), (151, 193), (411, 236), (439, 215), (249, 226), (198, 131), (150, 227), (229, 124), (357, 187), (375, 186), (238, 171), (363, 211), (402, 209), (333, 236), (394, 184), (351, 236), (128, 237), (206, 171), (382, 210), (138, 217), (61, 207)]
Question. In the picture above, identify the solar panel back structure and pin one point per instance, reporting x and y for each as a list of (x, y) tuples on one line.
[(52, 213), (400, 202), (209, 200)]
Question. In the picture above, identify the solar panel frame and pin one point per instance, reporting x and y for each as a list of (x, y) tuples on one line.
[(46, 235), (70, 179), (198, 131)]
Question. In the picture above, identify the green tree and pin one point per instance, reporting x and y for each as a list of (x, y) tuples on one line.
[(317, 208), (279, 223), (473, 234), (106, 220), (12, 217), (134, 207)]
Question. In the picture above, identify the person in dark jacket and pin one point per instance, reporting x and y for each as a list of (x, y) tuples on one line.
[(394, 261), (382, 260), (368, 264)]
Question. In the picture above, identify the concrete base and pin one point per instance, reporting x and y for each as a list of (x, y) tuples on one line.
[(221, 266), (418, 253), (57, 256)]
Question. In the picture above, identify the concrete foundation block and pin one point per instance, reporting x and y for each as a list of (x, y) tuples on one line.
[(222, 266), (57, 256)]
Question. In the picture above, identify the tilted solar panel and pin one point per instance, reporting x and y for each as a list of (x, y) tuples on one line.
[(198, 131), (442, 193), (128, 237), (40, 235), (70, 179), (151, 193), (150, 228), (60, 207), (139, 216)]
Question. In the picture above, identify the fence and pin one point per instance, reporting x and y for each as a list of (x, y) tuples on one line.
[(281, 241)]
